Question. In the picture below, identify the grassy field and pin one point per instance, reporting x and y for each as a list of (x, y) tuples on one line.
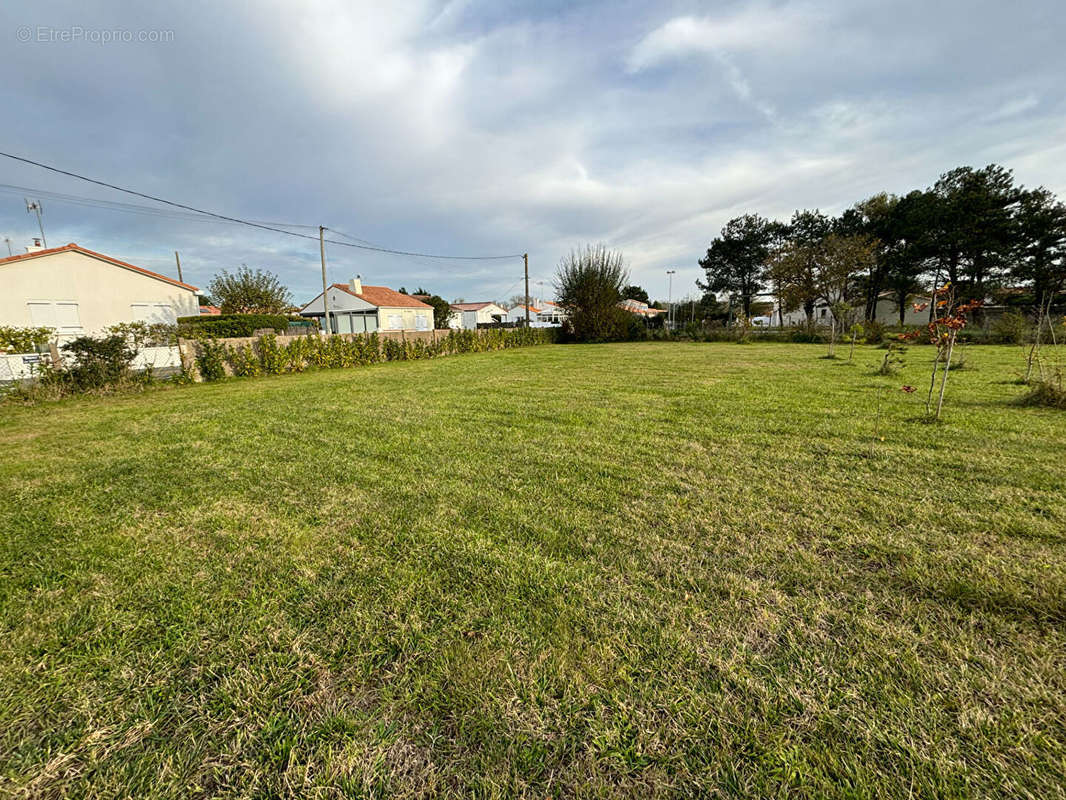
[(636, 570)]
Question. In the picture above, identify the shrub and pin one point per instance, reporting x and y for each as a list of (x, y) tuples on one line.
[(1050, 392), (14, 339), (893, 360), (95, 362), (144, 334), (244, 361), (211, 360), (875, 331), (1010, 328), (270, 355), (231, 326)]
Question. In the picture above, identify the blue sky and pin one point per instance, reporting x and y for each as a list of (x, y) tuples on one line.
[(503, 127)]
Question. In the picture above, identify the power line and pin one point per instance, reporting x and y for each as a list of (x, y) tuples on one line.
[(132, 208), (249, 223)]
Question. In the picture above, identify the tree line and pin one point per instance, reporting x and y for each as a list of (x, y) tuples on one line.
[(974, 228)]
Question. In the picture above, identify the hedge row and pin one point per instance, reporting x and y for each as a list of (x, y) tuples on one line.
[(231, 326), (267, 357)]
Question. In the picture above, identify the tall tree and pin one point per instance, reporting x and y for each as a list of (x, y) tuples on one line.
[(1040, 224), (736, 261), (970, 229), (635, 293), (794, 267), (877, 218), (248, 291)]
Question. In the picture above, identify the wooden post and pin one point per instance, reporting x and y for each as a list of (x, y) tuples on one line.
[(525, 266)]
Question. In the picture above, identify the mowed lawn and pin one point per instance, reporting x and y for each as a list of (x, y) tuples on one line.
[(620, 570)]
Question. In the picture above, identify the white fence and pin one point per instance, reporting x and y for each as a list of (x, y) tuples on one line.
[(24, 366)]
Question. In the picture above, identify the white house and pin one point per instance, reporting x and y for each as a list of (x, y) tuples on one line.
[(355, 308), (77, 291), (915, 312), (518, 314), (468, 316), (550, 313)]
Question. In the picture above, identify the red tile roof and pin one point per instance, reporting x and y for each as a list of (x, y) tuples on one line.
[(73, 248), (383, 297)]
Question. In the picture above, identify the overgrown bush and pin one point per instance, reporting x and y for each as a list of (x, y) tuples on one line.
[(230, 326), (244, 361), (1050, 391), (1010, 328), (14, 339), (145, 334), (875, 331), (92, 362), (211, 359)]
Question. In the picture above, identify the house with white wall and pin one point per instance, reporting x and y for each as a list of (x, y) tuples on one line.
[(915, 312), (357, 308), (518, 314), (467, 316), (76, 291)]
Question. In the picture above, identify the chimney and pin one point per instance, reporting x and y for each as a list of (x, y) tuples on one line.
[(356, 284), (35, 247)]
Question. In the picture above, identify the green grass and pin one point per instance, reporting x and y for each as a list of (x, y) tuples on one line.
[(635, 570)]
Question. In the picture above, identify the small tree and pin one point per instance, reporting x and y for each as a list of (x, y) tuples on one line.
[(589, 285), (442, 309), (249, 291)]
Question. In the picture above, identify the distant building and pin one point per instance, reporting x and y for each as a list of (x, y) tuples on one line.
[(467, 316), (210, 311), (550, 313), (640, 308), (518, 314), (77, 291), (356, 308)]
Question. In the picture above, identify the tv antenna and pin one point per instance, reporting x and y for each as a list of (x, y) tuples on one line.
[(34, 206)]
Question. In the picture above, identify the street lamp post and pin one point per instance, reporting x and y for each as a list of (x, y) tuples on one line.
[(670, 298)]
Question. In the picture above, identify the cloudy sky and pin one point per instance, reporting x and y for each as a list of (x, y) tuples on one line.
[(482, 128)]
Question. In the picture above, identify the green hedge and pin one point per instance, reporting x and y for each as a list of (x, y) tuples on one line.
[(267, 357), (230, 326)]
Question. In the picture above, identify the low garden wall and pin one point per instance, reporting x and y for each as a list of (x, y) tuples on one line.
[(270, 354)]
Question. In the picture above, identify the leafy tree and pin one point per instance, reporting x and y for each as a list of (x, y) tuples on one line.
[(635, 293), (793, 268), (970, 231), (736, 261), (442, 309), (843, 260), (249, 291), (589, 285), (1040, 224)]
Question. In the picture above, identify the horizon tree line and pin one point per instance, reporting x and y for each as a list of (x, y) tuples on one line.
[(973, 228)]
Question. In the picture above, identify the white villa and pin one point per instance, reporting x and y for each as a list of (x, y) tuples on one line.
[(356, 308), (75, 291), (467, 316)]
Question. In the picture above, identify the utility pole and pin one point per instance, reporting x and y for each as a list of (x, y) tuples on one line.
[(35, 205), (177, 260), (525, 265), (670, 298), (325, 294)]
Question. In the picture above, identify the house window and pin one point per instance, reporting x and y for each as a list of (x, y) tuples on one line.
[(395, 322), (154, 313), (421, 323), (62, 315)]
